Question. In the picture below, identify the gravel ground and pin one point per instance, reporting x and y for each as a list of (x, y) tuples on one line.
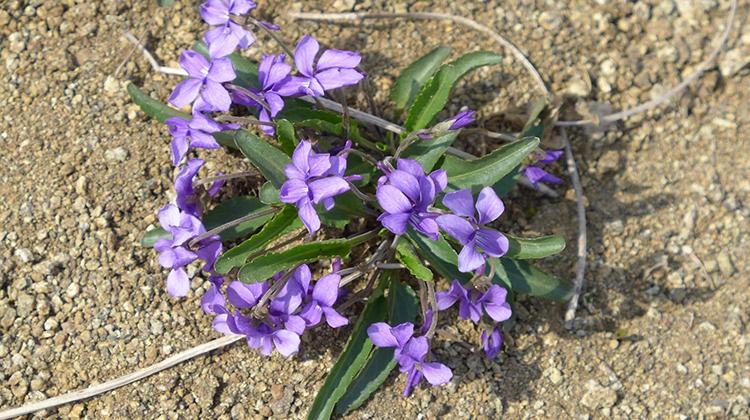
[(663, 323)]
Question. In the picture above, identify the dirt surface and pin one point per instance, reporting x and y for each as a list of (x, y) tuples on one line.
[(663, 322)]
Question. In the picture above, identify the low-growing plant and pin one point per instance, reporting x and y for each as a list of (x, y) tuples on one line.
[(381, 216)]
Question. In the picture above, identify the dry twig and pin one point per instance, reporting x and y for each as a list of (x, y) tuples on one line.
[(121, 381), (570, 313), (150, 58)]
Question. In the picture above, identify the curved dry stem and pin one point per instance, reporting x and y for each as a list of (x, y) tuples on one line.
[(505, 43), (570, 313), (655, 102), (123, 380)]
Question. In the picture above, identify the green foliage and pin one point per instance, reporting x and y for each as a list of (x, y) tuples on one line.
[(488, 169), (233, 209), (429, 152), (263, 267), (269, 160), (524, 249), (402, 307), (522, 277), (352, 358), (152, 107), (433, 96), (413, 77), (441, 256), (283, 222), (286, 135), (406, 254)]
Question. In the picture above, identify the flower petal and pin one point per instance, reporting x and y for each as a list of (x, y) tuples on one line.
[(392, 200), (411, 166), (396, 223), (416, 348), (489, 206), (221, 70), (286, 342), (304, 55), (460, 202), (338, 58), (301, 156), (381, 335), (215, 94), (185, 92), (469, 259), (194, 64), (436, 373), (337, 78), (334, 319), (308, 215), (327, 187), (221, 41), (293, 190), (456, 227), (403, 332), (406, 183), (178, 283), (492, 242), (326, 290)]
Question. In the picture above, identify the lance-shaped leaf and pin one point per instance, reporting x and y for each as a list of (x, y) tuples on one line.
[(286, 135), (413, 77), (269, 194), (522, 277), (428, 152), (433, 96), (441, 256), (402, 307), (408, 257), (283, 222), (269, 160), (524, 249), (488, 169), (352, 358), (233, 209), (151, 236), (348, 208), (265, 266), (152, 107)]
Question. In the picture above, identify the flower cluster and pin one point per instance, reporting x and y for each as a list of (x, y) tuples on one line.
[(408, 198), (295, 307)]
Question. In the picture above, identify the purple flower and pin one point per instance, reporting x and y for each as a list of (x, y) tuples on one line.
[(310, 182), (471, 302), (266, 338), (187, 198), (174, 253), (334, 68), (204, 82), (405, 194), (273, 75), (212, 301), (410, 354), (492, 342), (194, 133), (536, 174), (462, 119), (476, 240), (324, 296), (228, 34)]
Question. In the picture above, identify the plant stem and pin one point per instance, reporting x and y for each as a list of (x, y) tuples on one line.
[(230, 224), (212, 179)]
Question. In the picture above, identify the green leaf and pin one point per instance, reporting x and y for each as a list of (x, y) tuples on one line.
[(352, 358), (534, 127), (348, 207), (433, 96), (413, 77), (269, 194), (153, 235), (488, 169), (267, 265), (152, 107), (233, 209), (165, 3), (503, 187), (406, 254), (286, 135), (524, 249), (402, 307), (441, 256), (522, 277), (428, 152), (269, 160), (282, 223)]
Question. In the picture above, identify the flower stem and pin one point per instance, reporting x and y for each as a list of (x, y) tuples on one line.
[(231, 224), (212, 179)]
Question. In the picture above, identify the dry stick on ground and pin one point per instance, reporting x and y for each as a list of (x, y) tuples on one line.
[(570, 313), (155, 64), (121, 381), (646, 106)]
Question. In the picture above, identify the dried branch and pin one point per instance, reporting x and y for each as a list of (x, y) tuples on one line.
[(505, 43), (123, 380), (570, 313), (155, 64)]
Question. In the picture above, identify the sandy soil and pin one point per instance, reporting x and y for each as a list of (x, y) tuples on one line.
[(659, 334)]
